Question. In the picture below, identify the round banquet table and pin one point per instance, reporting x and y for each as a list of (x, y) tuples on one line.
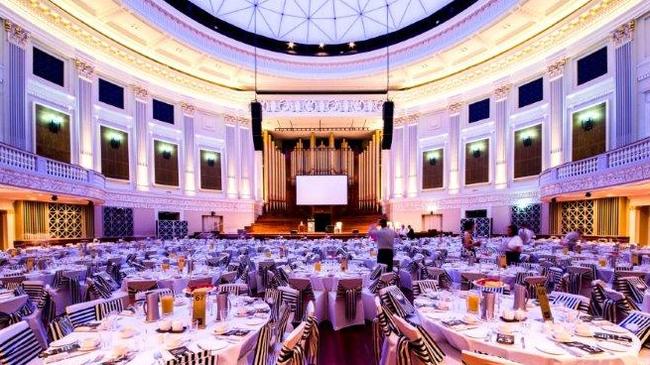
[(167, 280), (533, 330), (147, 344), (507, 275), (328, 277)]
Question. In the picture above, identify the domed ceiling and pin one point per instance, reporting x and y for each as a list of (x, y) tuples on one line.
[(321, 27)]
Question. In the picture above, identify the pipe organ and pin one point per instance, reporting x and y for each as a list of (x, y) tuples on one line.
[(359, 160)]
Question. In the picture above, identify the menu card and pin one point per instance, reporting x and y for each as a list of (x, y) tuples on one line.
[(180, 352), (505, 339), (544, 303)]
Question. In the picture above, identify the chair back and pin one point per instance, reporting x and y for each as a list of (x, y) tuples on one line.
[(18, 344)]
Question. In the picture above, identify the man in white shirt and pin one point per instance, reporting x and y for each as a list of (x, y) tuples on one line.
[(526, 235), (514, 246), (385, 238)]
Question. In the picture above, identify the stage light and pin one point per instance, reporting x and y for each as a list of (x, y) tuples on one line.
[(587, 124), (527, 141), (54, 126)]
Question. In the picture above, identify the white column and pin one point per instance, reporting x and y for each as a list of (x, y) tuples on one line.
[(397, 162), (84, 120), (232, 156), (501, 135), (412, 162), (141, 137), (188, 134), (555, 75), (18, 129), (625, 116), (454, 147), (245, 169)]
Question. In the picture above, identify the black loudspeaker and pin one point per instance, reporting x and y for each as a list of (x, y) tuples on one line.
[(387, 115), (256, 125)]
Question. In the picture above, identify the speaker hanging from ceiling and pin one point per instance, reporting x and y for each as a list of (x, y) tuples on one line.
[(387, 115), (256, 125)]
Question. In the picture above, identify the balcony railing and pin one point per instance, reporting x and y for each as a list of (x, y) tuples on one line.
[(17, 159), (637, 153)]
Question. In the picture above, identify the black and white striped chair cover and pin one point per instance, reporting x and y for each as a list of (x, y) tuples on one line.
[(382, 327), (467, 279), (18, 344), (280, 326), (415, 342), (636, 288), (263, 269), (622, 284), (47, 307), (421, 286), (395, 301), (577, 276), (140, 286), (228, 277), (82, 313), (59, 328), (75, 290), (349, 290), (262, 345), (532, 282), (383, 281), (12, 282), (597, 297), (311, 335), (641, 326), (202, 357), (572, 301), (554, 275), (35, 290), (107, 306), (234, 289), (377, 271), (292, 351), (443, 278), (305, 294)]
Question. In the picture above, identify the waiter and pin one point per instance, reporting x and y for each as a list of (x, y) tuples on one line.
[(385, 238)]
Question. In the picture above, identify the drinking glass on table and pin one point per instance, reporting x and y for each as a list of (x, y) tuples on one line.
[(472, 302)]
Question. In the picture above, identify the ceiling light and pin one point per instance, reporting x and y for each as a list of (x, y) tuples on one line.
[(351, 44), (321, 45), (291, 45)]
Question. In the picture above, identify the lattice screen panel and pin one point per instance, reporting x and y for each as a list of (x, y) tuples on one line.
[(578, 214), (167, 229), (66, 221), (530, 215), (482, 226), (118, 222)]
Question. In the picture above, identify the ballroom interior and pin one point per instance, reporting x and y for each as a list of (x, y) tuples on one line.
[(200, 158)]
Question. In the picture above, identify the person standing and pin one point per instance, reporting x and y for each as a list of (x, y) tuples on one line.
[(469, 244), (385, 238), (411, 233), (572, 238), (526, 234), (514, 246)]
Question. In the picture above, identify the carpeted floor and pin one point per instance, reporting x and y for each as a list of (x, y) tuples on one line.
[(352, 345)]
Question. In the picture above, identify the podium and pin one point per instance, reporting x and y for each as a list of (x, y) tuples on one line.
[(311, 225)]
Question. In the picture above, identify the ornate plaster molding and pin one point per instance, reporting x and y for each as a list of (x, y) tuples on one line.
[(556, 69), (235, 120), (158, 201), (624, 33), (455, 108), (502, 92), (16, 34), (85, 69), (140, 92), (188, 109), (494, 198), (406, 119), (50, 184), (322, 106)]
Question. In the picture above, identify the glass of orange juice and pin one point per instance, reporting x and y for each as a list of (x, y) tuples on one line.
[(602, 262), (167, 303), (472, 301), (317, 266), (165, 266)]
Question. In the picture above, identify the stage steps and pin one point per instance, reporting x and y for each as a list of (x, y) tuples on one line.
[(281, 224)]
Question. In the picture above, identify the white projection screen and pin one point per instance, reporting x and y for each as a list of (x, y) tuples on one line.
[(321, 190)]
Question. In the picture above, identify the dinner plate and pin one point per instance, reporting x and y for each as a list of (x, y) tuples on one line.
[(436, 315), (212, 344), (613, 328), (549, 348), (65, 341), (613, 346), (476, 333)]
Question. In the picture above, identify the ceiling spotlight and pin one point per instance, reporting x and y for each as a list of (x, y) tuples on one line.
[(321, 45), (291, 45), (351, 45)]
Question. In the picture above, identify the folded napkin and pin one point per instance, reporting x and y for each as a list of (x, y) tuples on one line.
[(611, 336), (58, 353), (237, 332), (454, 323), (591, 350), (88, 327)]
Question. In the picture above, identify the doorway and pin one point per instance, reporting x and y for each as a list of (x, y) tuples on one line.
[(212, 223), (432, 222), (321, 221)]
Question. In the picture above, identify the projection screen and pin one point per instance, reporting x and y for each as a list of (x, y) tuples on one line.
[(321, 190)]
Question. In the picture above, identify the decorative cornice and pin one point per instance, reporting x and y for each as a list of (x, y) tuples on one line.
[(157, 201), (322, 106), (556, 69), (85, 69), (624, 33), (423, 204), (455, 108), (16, 34), (235, 119), (188, 109), (34, 181), (502, 92), (406, 119), (140, 92)]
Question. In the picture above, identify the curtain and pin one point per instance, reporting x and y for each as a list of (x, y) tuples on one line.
[(611, 216), (31, 220)]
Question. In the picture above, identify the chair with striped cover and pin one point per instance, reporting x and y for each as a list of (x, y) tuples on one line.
[(622, 280), (368, 294), (467, 279), (12, 282), (421, 286), (234, 289), (287, 312), (107, 306), (554, 275), (307, 294), (638, 323), (260, 353), (415, 270), (597, 297), (292, 351), (263, 269), (18, 344), (345, 304), (377, 271), (199, 282), (202, 357), (572, 301), (443, 279), (59, 327), (35, 289), (228, 277), (636, 288), (415, 345), (311, 335), (382, 328), (82, 313), (134, 287), (579, 276), (395, 302), (532, 282)]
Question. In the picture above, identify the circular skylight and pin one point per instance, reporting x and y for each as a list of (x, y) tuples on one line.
[(318, 22)]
